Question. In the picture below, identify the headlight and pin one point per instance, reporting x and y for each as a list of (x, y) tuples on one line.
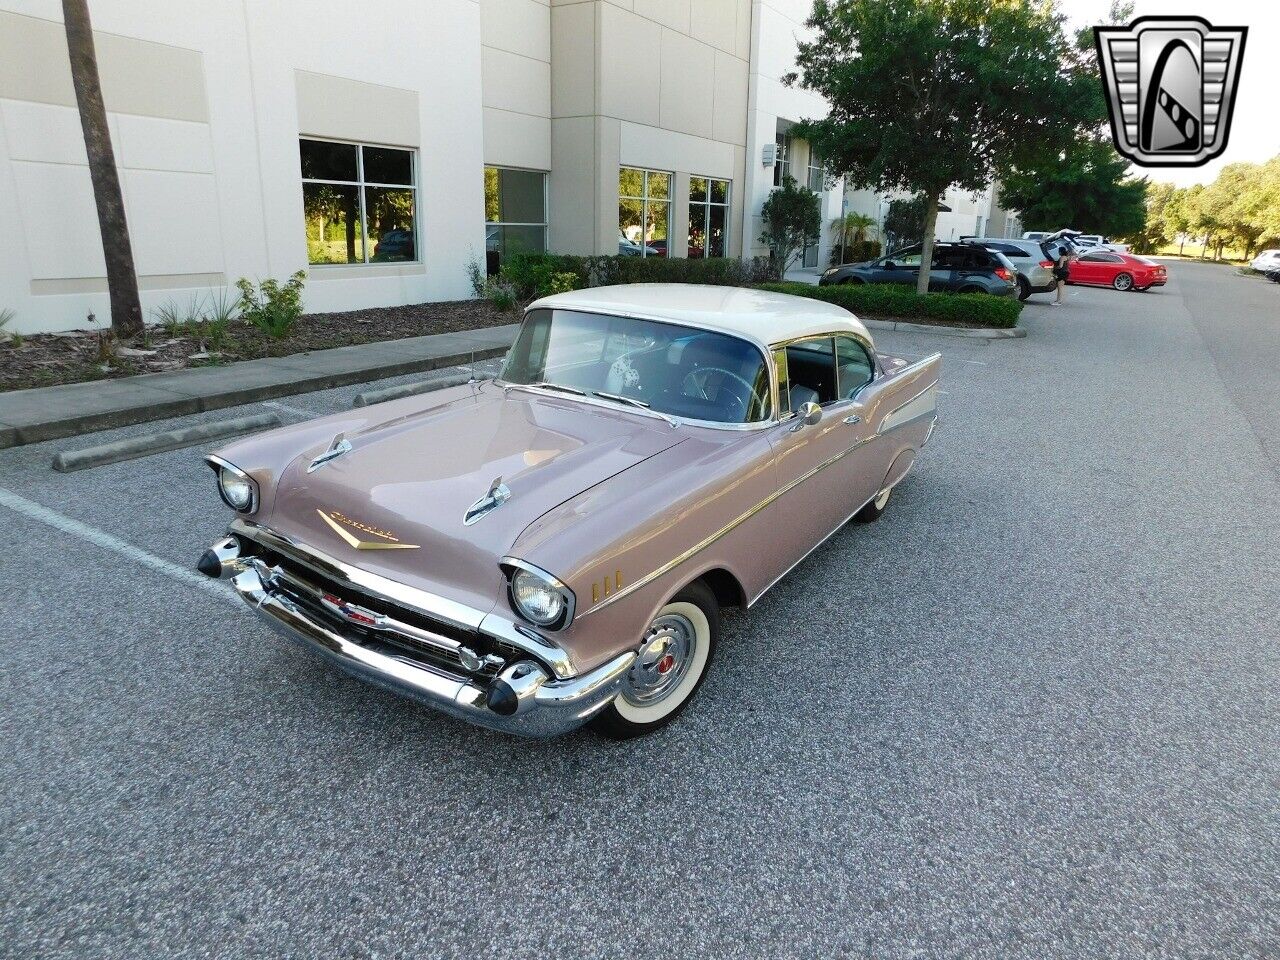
[(539, 597), (237, 488)]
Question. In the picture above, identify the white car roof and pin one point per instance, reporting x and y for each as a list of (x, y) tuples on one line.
[(745, 312)]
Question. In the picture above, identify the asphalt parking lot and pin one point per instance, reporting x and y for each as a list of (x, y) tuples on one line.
[(1031, 712)]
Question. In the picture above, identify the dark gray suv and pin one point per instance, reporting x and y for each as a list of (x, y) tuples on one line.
[(956, 268)]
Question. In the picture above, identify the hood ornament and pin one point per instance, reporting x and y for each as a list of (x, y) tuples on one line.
[(336, 449), (499, 493)]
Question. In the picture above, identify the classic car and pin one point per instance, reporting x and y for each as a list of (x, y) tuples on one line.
[(555, 546)]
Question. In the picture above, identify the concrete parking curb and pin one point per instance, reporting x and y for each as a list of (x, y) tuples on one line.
[(70, 460), (408, 390), (50, 413), (979, 333)]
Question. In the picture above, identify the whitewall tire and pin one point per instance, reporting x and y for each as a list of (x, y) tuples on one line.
[(674, 653), (876, 507)]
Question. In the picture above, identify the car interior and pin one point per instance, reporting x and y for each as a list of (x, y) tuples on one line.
[(815, 376)]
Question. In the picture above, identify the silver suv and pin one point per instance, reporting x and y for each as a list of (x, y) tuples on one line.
[(1033, 258)]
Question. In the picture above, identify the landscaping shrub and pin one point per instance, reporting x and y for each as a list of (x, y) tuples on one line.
[(272, 307), (539, 274), (858, 251), (902, 302)]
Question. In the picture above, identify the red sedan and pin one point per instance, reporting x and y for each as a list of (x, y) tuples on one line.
[(1124, 271)]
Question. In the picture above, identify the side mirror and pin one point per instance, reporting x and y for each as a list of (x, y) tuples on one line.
[(810, 413)]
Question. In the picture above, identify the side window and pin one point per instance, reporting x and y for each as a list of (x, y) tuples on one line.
[(811, 372), (911, 259), (856, 368)]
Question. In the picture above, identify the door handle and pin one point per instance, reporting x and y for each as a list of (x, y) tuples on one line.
[(853, 418)]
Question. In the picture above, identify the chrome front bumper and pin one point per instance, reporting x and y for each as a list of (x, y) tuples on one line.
[(532, 702)]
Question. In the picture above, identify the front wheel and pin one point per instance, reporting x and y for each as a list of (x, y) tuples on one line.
[(674, 654), (1123, 281)]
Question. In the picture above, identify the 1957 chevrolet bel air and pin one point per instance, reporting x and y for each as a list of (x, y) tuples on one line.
[(555, 545)]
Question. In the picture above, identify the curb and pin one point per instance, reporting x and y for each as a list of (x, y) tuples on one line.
[(71, 460), (409, 390), (53, 413), (977, 333)]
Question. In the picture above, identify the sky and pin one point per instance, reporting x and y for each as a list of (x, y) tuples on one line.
[(1255, 128)]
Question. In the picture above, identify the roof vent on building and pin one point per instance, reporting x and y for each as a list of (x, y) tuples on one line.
[(769, 155)]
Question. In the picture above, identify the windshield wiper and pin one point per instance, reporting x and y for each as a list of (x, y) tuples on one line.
[(546, 385), (633, 402)]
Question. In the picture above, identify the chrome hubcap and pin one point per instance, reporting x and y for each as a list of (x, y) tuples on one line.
[(664, 660)]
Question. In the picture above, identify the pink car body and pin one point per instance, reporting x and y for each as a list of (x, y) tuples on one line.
[(387, 538)]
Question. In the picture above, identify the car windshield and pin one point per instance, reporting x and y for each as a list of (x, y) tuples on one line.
[(664, 367)]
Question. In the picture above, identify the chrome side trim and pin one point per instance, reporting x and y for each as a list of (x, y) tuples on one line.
[(912, 410), (727, 528)]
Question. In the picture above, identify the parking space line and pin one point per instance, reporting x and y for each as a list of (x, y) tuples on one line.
[(99, 538)]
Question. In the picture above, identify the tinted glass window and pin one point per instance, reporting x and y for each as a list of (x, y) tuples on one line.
[(855, 368), (385, 165), (322, 160), (811, 372), (666, 367)]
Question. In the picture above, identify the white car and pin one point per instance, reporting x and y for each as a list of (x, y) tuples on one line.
[(1266, 261)]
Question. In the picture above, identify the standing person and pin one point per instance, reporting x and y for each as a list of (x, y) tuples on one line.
[(1060, 273)]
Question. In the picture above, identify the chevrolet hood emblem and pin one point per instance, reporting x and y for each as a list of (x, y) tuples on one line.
[(336, 521)]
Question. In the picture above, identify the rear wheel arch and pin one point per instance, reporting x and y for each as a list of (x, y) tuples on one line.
[(724, 586)]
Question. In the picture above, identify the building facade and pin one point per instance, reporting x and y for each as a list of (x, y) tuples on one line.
[(385, 154)]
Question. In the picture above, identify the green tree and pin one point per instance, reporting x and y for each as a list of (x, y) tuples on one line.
[(851, 228), (1175, 218), (926, 94), (1086, 187), (904, 222), (122, 278), (792, 219)]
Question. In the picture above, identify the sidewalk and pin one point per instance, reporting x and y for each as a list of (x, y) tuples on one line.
[(47, 413)]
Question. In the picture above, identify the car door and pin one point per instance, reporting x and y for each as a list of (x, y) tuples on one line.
[(813, 499), (1092, 268), (905, 266)]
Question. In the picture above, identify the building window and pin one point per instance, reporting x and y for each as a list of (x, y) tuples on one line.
[(359, 203), (644, 212), (708, 216), (817, 173), (515, 214), (782, 167)]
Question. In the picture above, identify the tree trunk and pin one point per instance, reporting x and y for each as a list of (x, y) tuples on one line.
[(1182, 242), (122, 279), (926, 252)]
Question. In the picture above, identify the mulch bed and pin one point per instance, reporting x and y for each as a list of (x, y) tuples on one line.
[(42, 360)]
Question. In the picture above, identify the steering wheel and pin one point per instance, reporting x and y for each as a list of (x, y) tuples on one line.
[(697, 379)]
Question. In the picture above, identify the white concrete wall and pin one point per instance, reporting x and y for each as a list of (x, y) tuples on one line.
[(657, 84), (515, 37), (205, 125), (776, 27)]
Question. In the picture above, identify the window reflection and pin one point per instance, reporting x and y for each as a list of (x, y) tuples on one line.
[(359, 203), (515, 213), (644, 212), (708, 217)]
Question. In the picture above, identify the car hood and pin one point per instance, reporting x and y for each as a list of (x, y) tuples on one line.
[(402, 491)]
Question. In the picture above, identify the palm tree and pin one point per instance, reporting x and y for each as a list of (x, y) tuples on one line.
[(122, 279), (849, 231), (852, 228)]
